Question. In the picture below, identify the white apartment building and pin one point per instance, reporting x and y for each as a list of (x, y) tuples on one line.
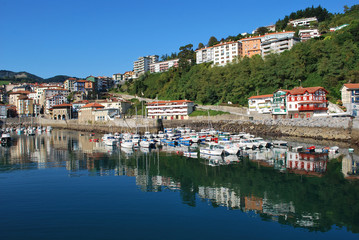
[(54, 100), (177, 109), (278, 45), (226, 52), (142, 65), (305, 34), (303, 22), (260, 103), (163, 66), (49, 93), (204, 55)]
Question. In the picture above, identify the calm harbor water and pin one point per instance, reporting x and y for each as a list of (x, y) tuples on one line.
[(61, 186)]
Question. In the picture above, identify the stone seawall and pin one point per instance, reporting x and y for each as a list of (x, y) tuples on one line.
[(336, 129), (259, 128)]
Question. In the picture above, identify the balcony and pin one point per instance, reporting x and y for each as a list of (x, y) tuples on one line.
[(312, 108)]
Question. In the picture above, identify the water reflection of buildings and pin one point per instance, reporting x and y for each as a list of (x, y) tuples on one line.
[(297, 162), (350, 166), (226, 197), (221, 195)]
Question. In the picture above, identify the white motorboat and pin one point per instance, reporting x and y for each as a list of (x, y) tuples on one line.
[(110, 141), (213, 149), (280, 144), (128, 143)]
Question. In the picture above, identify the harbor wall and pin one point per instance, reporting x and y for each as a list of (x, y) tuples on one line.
[(324, 128)]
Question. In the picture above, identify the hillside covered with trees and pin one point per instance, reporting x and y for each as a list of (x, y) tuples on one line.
[(329, 61)]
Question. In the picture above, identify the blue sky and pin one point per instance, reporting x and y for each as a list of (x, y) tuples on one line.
[(101, 37)]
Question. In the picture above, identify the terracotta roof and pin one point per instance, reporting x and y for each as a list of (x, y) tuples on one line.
[(79, 102), (261, 96), (93, 105), (20, 92), (301, 90), (23, 97), (169, 101), (351, 85), (62, 105), (82, 81), (56, 89)]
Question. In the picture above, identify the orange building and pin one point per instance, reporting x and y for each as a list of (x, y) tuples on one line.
[(251, 46), (89, 86)]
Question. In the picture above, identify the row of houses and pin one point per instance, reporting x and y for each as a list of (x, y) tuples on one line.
[(85, 111), (298, 102), (304, 102), (226, 52)]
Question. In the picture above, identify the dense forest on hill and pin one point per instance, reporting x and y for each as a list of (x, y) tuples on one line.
[(329, 61)]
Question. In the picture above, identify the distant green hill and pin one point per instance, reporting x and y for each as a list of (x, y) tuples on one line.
[(6, 75)]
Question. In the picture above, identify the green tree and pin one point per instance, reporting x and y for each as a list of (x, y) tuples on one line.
[(200, 45), (262, 30), (212, 41)]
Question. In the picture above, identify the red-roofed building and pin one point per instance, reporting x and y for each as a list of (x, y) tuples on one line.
[(176, 109), (260, 103), (95, 112), (305, 102), (350, 97), (14, 96), (62, 111)]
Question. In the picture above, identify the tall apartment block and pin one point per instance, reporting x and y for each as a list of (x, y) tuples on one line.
[(142, 65), (220, 54), (278, 42), (250, 46), (226, 52)]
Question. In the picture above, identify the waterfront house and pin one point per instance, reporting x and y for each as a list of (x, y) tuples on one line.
[(116, 103), (279, 104), (95, 112), (176, 109), (260, 103), (305, 102), (61, 111), (350, 98), (86, 112)]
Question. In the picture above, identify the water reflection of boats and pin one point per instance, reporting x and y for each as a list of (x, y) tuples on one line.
[(5, 139), (213, 160), (127, 151), (190, 154), (231, 158)]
